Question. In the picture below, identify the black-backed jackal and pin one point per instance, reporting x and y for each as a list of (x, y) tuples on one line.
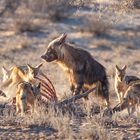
[(81, 68), (122, 82), (19, 74), (131, 98), (26, 94)]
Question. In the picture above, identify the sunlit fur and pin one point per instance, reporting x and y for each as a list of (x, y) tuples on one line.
[(19, 74)]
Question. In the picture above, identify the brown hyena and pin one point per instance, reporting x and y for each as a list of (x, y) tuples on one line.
[(82, 69)]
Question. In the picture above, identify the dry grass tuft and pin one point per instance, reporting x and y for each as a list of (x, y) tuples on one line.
[(95, 26), (124, 6), (63, 125), (136, 4), (130, 4), (55, 10), (25, 25)]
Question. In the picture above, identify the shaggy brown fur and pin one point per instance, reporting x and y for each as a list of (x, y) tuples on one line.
[(82, 69)]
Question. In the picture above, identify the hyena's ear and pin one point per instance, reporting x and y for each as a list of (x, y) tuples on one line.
[(62, 38), (124, 67)]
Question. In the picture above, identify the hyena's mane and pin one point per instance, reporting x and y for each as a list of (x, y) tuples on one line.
[(72, 56), (77, 58)]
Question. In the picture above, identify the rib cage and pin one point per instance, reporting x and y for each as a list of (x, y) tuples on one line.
[(47, 89)]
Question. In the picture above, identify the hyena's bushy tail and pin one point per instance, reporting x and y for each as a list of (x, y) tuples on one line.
[(103, 89)]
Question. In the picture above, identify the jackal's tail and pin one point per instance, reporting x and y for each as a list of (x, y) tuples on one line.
[(133, 83), (120, 106), (6, 84)]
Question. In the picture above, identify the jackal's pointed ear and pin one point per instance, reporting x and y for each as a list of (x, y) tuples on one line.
[(5, 73), (124, 67), (117, 68), (40, 65), (4, 70), (29, 67), (62, 38)]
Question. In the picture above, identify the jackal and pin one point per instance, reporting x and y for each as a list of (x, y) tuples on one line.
[(122, 82), (26, 94), (131, 99), (19, 74), (81, 68)]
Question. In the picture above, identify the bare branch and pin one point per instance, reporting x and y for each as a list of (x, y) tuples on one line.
[(76, 97)]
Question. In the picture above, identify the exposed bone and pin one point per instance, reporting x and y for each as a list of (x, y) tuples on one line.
[(47, 88), (50, 93), (49, 82), (44, 83), (46, 93)]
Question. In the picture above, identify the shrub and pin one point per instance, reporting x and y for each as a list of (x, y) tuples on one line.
[(55, 9), (25, 25), (95, 26)]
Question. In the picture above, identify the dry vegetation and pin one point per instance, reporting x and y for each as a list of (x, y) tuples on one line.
[(110, 30), (94, 25), (25, 25)]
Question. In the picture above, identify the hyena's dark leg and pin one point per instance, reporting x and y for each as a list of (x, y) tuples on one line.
[(72, 87), (70, 77), (83, 91), (79, 83)]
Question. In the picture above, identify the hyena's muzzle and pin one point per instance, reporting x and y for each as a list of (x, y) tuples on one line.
[(50, 55)]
